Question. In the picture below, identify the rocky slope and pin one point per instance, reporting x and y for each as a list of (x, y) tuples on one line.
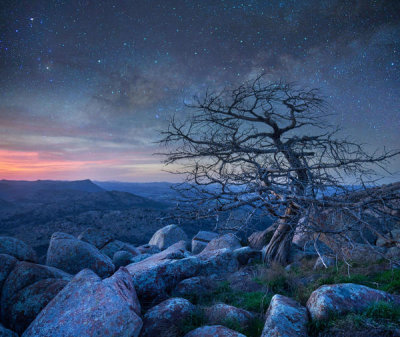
[(95, 285)]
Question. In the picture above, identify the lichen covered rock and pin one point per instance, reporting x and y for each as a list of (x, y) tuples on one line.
[(167, 236), (228, 241), (89, 306), (96, 237), (201, 240), (221, 313), (343, 298), (27, 290), (165, 318), (17, 248), (285, 318), (72, 255)]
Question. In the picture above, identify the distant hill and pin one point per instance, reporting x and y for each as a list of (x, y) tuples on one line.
[(159, 191), (14, 190)]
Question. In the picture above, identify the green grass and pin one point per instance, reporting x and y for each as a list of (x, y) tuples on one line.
[(380, 314)]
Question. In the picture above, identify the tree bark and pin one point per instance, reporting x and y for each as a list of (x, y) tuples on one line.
[(278, 249)]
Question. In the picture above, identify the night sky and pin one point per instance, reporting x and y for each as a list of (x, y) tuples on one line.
[(85, 85)]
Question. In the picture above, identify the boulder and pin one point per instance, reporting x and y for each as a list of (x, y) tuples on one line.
[(201, 239), (157, 275), (30, 301), (229, 241), (343, 298), (217, 262), (17, 248), (258, 240), (114, 246), (213, 331), (193, 286), (245, 255), (148, 249), (95, 237), (7, 263), (154, 278), (167, 236), (222, 314), (7, 333), (285, 318), (27, 290), (72, 255), (90, 306), (122, 258), (165, 318)]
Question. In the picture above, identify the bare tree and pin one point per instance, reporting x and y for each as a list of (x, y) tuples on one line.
[(267, 146)]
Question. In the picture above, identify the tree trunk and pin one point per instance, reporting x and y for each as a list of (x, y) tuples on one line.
[(278, 249)]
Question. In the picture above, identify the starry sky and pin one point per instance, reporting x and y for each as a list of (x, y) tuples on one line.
[(86, 85)]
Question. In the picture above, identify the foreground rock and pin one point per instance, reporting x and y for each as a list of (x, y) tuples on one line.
[(6, 333), (96, 237), (222, 313), (343, 298), (213, 331), (89, 306), (167, 236), (229, 241), (285, 318), (201, 240), (165, 318), (72, 255), (28, 289), (17, 248)]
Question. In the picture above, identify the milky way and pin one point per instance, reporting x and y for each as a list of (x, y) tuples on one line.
[(85, 85)]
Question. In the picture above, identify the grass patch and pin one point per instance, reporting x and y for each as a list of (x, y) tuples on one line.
[(256, 301), (380, 315)]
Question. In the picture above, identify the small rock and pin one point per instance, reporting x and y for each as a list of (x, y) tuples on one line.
[(167, 236), (229, 241), (222, 313), (244, 254), (95, 237), (165, 318), (89, 306), (285, 318), (201, 239), (17, 248), (122, 258), (343, 298), (114, 246), (72, 255), (213, 331)]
